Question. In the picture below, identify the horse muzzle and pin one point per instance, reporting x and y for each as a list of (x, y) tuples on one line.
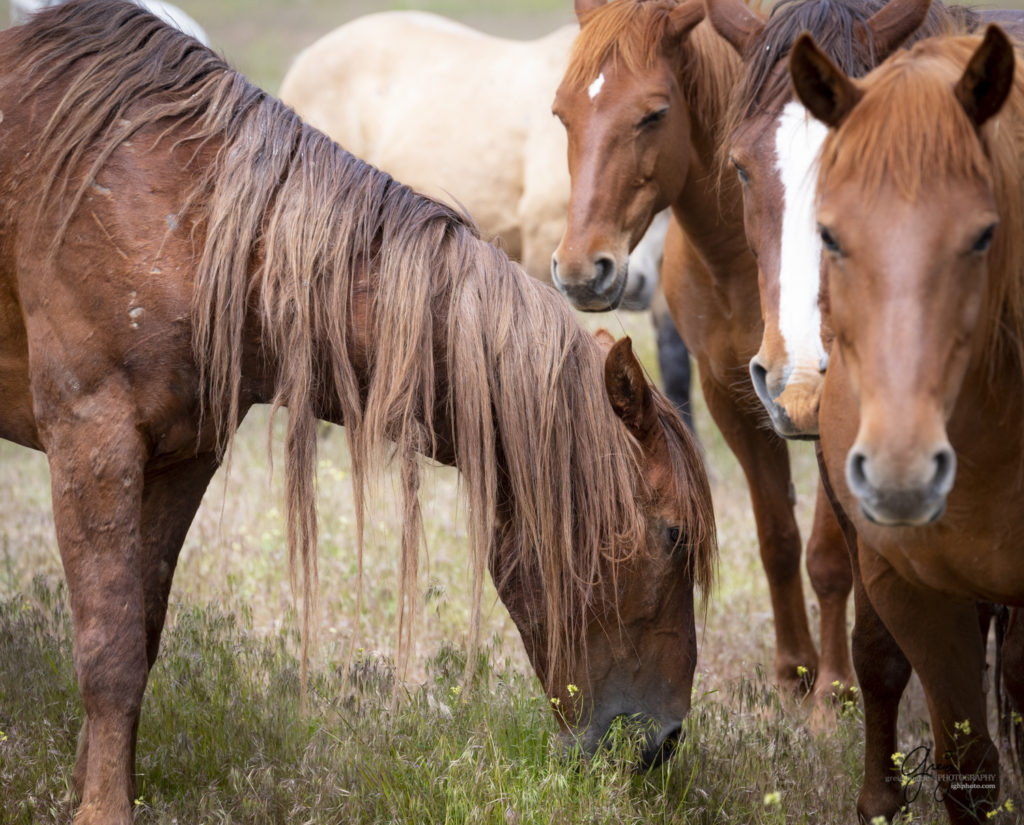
[(907, 493), (594, 286), (793, 412), (658, 744)]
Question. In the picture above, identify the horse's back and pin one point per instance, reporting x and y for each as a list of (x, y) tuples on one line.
[(457, 114)]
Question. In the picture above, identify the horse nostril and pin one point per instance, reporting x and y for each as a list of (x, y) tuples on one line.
[(554, 270), (604, 274), (759, 377), (945, 470), (856, 472)]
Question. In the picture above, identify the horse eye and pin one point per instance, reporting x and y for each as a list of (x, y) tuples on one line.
[(741, 173), (828, 240), (652, 117), (673, 536), (984, 240)]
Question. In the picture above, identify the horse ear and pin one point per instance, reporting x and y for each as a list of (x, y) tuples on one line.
[(629, 393), (584, 7), (605, 340), (988, 78), (827, 93), (736, 23), (890, 27), (684, 17)]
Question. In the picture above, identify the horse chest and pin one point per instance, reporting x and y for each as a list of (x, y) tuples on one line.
[(969, 554)]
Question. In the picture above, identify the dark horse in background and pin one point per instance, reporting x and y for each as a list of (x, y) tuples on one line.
[(176, 246)]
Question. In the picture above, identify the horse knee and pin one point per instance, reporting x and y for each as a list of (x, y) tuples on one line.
[(112, 671), (882, 669), (830, 573)]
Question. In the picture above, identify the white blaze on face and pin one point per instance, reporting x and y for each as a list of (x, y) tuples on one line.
[(594, 89), (798, 142)]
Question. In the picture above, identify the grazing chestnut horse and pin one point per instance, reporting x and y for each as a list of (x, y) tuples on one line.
[(773, 145), (642, 102), (921, 215), (176, 246)]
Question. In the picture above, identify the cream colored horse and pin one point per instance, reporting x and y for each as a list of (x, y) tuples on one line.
[(462, 116)]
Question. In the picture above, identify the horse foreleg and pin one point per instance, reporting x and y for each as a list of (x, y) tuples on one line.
[(170, 498), (765, 462), (942, 641), (96, 457), (883, 672), (828, 566)]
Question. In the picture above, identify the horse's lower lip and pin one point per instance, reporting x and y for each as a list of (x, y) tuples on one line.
[(585, 299), (783, 425), (878, 514)]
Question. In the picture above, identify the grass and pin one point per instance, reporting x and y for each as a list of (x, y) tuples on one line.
[(223, 737)]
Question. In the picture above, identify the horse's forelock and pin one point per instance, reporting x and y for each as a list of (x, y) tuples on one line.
[(630, 31), (886, 142)]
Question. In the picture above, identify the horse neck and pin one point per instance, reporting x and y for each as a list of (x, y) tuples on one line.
[(709, 206), (710, 211), (985, 426)]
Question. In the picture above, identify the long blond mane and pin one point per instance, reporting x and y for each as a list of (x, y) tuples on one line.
[(467, 358), (909, 130)]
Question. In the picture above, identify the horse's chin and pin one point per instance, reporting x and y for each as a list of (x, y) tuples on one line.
[(903, 513), (662, 746), (794, 421), (585, 300), (785, 426)]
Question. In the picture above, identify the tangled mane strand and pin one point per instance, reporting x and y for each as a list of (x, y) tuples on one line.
[(835, 25), (631, 34), (908, 130), (469, 358)]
